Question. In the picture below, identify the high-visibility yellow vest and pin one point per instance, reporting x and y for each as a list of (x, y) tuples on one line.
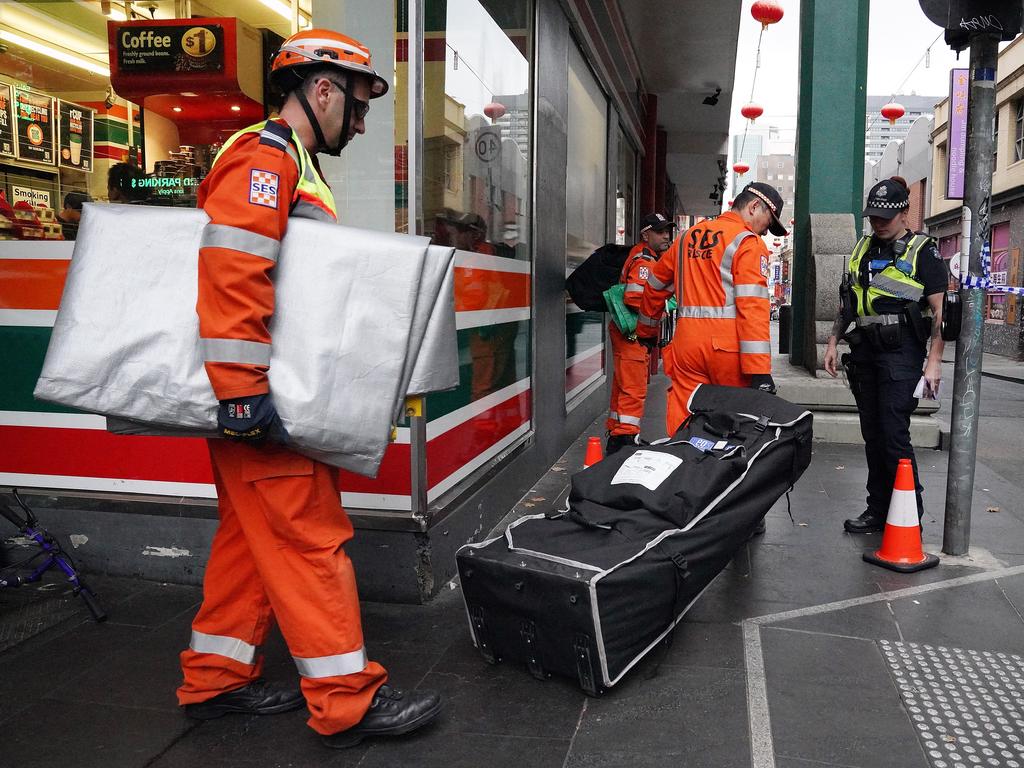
[(896, 281), (313, 199)]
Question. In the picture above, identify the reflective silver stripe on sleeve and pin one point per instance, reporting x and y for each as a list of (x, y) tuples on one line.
[(705, 313), (755, 347), (634, 288), (656, 284), (235, 351), (645, 320), (752, 290), (238, 239), (613, 415), (332, 666), (306, 210), (634, 420), (726, 267), (221, 645), (271, 136)]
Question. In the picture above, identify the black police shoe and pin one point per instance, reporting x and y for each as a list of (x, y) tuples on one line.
[(257, 698), (615, 442), (868, 522), (392, 713)]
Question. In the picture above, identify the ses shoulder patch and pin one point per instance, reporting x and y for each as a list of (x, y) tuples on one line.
[(263, 188), (764, 266), (643, 273)]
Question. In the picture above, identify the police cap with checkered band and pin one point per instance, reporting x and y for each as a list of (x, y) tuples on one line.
[(887, 199)]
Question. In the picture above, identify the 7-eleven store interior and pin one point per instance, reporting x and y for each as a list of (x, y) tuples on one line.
[(523, 195)]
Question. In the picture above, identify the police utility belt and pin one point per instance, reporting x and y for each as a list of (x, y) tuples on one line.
[(885, 332)]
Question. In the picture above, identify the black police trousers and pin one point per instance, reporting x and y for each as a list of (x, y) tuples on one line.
[(883, 383)]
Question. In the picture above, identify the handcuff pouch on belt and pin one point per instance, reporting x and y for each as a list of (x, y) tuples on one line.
[(883, 332)]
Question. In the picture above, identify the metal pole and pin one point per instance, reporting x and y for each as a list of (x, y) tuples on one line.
[(967, 371)]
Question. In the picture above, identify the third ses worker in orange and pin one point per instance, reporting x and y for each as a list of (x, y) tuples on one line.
[(631, 359), (718, 271), (278, 553)]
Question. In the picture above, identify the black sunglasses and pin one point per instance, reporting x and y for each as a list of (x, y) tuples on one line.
[(359, 107)]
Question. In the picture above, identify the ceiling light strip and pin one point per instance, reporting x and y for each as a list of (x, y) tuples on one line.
[(56, 53)]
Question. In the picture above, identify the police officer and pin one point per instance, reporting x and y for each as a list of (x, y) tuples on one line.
[(894, 279)]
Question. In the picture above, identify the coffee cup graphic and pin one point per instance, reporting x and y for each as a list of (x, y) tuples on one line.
[(76, 148)]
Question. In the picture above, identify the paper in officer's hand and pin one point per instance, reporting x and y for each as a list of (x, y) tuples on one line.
[(923, 391)]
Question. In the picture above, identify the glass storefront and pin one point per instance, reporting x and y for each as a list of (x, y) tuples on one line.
[(477, 117), (585, 221), (88, 127)]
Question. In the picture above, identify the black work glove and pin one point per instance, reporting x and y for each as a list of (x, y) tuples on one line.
[(762, 382), (250, 419), (650, 342)]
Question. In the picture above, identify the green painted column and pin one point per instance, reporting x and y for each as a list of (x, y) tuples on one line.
[(830, 136)]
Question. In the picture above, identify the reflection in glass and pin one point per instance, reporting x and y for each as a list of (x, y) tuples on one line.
[(476, 195), (585, 214)]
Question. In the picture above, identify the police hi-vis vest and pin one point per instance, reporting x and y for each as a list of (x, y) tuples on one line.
[(895, 281), (312, 199)]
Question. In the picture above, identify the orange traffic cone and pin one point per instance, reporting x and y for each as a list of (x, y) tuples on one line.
[(594, 452), (901, 542)]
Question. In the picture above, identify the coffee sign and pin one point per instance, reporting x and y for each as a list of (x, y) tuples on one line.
[(76, 136), (33, 121), (170, 49), (6, 122)]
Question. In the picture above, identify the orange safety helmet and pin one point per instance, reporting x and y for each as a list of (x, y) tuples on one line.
[(317, 47)]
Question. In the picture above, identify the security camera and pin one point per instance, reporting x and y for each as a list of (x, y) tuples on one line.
[(110, 98)]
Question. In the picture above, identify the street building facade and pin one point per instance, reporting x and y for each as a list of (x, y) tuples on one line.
[(524, 134)]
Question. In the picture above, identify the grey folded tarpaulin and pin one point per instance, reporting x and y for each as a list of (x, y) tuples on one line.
[(361, 320)]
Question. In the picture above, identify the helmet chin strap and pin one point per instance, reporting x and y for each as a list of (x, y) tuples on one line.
[(321, 143)]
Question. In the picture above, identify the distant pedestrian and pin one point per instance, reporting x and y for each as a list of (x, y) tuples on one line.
[(892, 293)]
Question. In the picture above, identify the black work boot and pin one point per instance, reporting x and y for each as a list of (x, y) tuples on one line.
[(615, 442), (257, 698), (868, 522), (392, 713)]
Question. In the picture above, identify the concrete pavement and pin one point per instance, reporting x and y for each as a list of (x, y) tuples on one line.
[(799, 655)]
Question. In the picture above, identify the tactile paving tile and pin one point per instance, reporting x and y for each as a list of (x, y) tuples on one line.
[(967, 706)]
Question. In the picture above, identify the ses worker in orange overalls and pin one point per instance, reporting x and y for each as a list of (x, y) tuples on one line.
[(278, 551), (718, 271), (632, 360)]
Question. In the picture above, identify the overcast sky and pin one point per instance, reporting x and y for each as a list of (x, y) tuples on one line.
[(898, 37)]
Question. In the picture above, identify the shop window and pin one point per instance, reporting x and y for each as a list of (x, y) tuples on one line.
[(1018, 131), (625, 185), (995, 302), (476, 193), (585, 214)]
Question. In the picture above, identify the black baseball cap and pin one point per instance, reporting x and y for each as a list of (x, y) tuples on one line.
[(655, 221), (770, 196), (886, 199)]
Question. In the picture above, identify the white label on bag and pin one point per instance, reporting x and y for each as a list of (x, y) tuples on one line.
[(646, 468)]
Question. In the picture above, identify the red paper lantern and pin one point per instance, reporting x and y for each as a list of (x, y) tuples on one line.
[(767, 12), (740, 168), (494, 110), (729, 204), (753, 111), (792, 222), (893, 111), (778, 243)]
